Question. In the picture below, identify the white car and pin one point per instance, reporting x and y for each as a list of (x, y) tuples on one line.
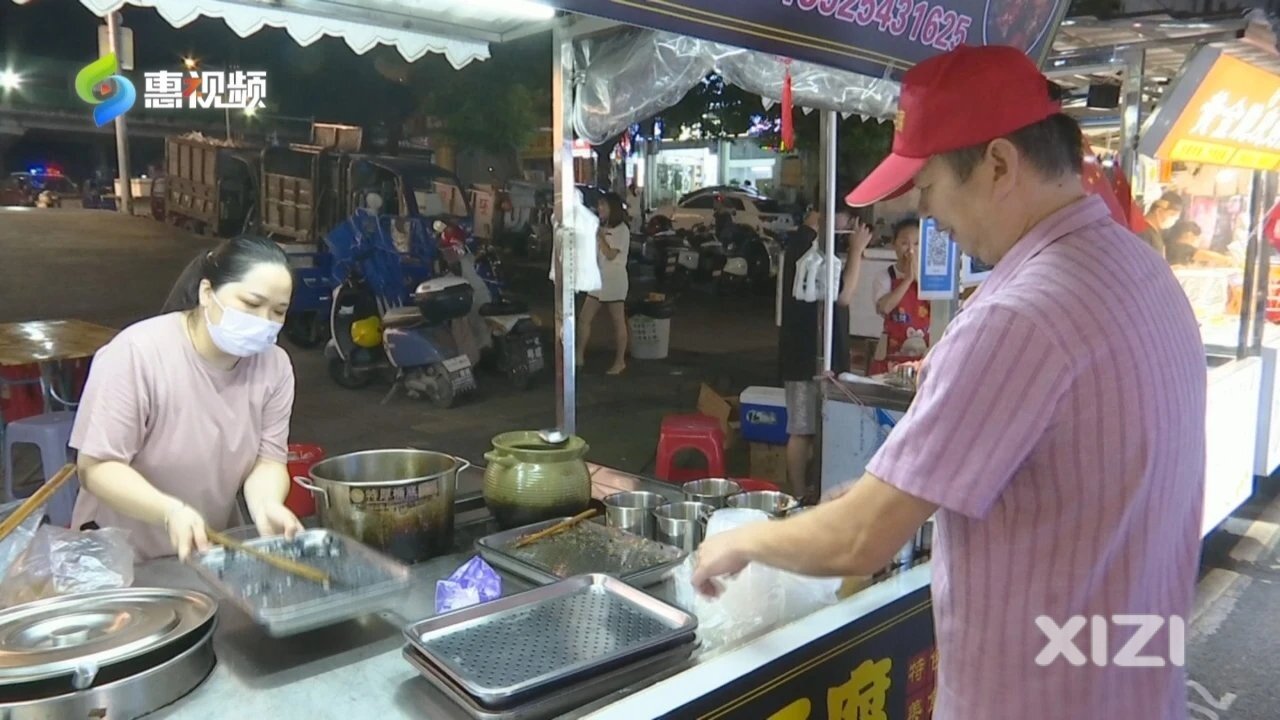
[(760, 214)]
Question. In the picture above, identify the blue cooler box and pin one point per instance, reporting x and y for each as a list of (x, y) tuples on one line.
[(764, 415)]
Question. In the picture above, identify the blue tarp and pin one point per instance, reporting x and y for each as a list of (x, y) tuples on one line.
[(364, 243)]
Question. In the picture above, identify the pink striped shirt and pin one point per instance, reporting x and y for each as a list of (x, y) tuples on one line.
[(1060, 427)]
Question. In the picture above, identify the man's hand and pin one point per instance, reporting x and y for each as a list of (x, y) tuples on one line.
[(275, 519), (860, 238), (723, 555)]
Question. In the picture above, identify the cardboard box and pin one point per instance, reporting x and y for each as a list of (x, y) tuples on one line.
[(769, 462), (724, 409)]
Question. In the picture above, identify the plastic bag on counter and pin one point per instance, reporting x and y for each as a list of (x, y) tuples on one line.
[(62, 562), (13, 546), (754, 602), (471, 584)]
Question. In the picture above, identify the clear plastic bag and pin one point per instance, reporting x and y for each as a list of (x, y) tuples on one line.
[(59, 561), (755, 601), (13, 546)]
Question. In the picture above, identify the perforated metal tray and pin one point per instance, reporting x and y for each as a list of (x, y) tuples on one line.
[(510, 649), (363, 581), (586, 548), (555, 703)]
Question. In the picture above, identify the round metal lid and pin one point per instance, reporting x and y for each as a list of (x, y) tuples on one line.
[(53, 637)]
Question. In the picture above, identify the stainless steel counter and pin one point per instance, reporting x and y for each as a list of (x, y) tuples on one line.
[(887, 397), (355, 669)]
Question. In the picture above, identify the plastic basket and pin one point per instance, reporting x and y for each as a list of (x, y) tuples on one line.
[(650, 337)]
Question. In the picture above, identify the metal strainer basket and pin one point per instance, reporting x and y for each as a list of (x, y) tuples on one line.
[(509, 649)]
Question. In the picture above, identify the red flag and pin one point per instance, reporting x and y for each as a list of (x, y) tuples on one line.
[(1124, 193), (788, 126)]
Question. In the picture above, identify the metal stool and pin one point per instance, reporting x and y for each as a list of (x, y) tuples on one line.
[(51, 432), (689, 432)]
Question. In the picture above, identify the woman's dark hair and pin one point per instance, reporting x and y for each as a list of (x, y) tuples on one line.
[(229, 262), (617, 215), (1054, 147), (1183, 227), (910, 221)]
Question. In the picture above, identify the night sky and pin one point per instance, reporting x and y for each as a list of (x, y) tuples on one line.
[(47, 41)]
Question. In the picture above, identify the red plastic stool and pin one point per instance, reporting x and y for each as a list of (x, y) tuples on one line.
[(300, 501), (690, 432), (753, 485)]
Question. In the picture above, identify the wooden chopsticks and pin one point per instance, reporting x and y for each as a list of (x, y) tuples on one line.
[(40, 497), (557, 528), (294, 568)]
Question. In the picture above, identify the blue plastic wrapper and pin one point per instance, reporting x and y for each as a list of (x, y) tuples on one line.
[(473, 583)]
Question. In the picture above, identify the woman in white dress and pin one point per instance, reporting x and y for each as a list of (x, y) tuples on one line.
[(612, 243)]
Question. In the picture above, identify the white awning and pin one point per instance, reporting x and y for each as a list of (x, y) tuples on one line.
[(461, 30)]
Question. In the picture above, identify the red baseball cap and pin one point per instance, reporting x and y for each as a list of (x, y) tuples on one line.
[(953, 101)]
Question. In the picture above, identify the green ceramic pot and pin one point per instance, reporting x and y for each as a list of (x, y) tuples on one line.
[(529, 480)]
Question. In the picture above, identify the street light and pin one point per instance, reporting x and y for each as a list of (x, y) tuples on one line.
[(250, 111), (10, 80)]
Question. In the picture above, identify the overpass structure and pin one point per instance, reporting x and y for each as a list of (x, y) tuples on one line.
[(17, 121)]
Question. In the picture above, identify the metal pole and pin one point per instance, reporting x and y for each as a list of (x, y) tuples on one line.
[(122, 127), (1264, 261), (828, 126), (1249, 299), (1131, 116), (563, 257)]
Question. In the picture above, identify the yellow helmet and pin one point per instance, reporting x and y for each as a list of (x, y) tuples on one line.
[(367, 333)]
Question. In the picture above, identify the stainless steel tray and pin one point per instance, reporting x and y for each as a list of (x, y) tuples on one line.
[(510, 649), (584, 549), (557, 702), (363, 580)]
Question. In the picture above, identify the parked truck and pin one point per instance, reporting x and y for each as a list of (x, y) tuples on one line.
[(211, 188)]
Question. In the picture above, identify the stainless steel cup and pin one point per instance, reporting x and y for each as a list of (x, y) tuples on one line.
[(633, 512), (712, 491), (683, 524), (777, 504)]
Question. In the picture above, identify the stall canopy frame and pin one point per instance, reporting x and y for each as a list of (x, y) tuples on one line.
[(461, 30)]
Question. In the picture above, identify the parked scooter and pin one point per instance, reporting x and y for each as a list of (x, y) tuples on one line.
[(511, 342), (752, 262), (375, 332)]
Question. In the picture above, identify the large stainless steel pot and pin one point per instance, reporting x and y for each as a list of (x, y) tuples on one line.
[(110, 653), (399, 501)]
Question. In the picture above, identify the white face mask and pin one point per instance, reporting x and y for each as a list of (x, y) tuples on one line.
[(241, 334)]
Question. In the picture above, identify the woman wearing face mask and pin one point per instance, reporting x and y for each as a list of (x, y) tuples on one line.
[(182, 410)]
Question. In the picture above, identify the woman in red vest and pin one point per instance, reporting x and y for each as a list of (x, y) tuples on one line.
[(906, 316)]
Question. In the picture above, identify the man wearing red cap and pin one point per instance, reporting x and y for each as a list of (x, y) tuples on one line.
[(1058, 431)]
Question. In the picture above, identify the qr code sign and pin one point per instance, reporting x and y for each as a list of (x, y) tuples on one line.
[(936, 251)]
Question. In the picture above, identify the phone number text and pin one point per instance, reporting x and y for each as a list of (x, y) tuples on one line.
[(927, 23)]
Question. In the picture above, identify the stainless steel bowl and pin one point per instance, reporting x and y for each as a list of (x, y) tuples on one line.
[(633, 512), (683, 524), (712, 491), (776, 504)]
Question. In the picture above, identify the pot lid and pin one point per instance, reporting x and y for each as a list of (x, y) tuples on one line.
[(53, 637)]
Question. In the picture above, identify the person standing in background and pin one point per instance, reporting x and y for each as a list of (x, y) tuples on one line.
[(613, 242), (1161, 216), (906, 316), (799, 341)]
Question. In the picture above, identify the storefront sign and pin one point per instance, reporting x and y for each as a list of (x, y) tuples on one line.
[(1221, 111), (871, 37), (882, 667), (938, 254)]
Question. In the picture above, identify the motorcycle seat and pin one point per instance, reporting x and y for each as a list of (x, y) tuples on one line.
[(506, 307), (402, 317)]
